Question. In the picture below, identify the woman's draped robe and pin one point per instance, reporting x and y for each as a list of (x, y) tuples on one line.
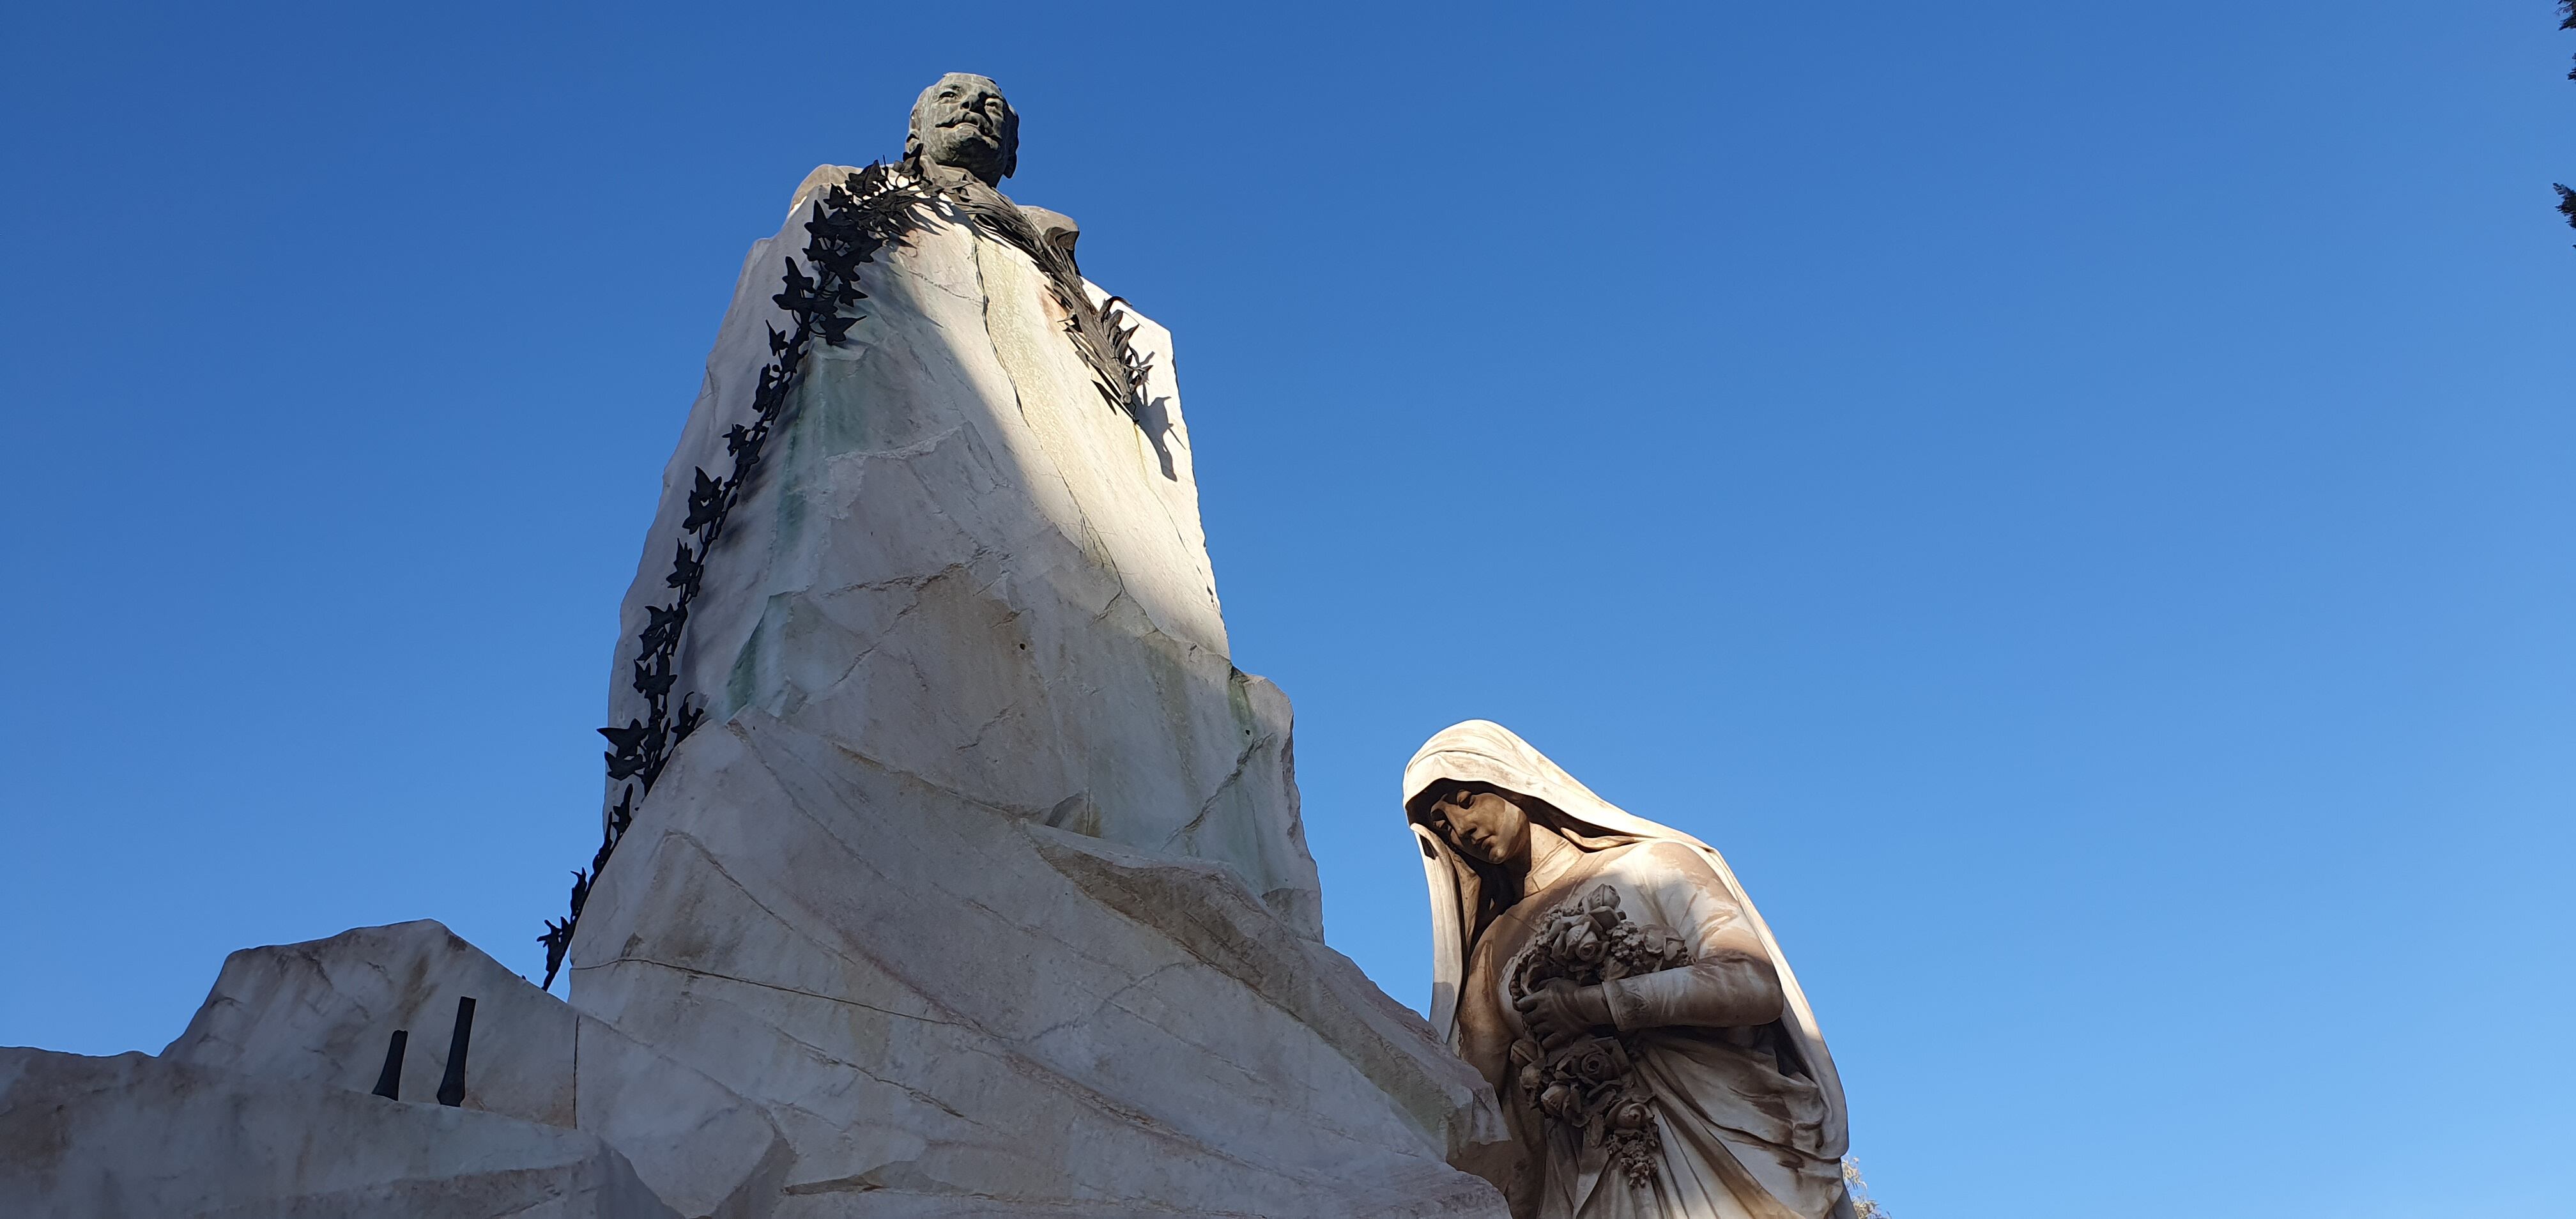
[(1731, 1120), (1750, 1120)]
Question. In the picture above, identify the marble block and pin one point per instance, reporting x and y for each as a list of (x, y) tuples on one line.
[(946, 1005), (140, 1136), (959, 563), (982, 889), (320, 1013), (985, 880)]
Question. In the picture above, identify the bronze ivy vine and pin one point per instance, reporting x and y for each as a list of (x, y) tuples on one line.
[(851, 222)]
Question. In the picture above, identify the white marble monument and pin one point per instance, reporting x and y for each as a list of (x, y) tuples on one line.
[(969, 880)]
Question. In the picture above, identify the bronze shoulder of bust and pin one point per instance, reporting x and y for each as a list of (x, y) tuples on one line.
[(1054, 227)]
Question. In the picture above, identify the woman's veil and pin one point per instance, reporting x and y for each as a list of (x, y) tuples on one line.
[(1481, 751)]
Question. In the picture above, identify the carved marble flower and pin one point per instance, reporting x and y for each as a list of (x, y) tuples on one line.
[(1560, 1102), (1595, 1060)]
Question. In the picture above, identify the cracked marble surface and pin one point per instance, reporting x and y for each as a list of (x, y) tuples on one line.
[(137, 1135), (907, 978), (959, 562), (983, 891), (321, 1012), (986, 881)]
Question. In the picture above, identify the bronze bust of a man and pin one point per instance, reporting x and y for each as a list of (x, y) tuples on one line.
[(963, 122), (964, 130)]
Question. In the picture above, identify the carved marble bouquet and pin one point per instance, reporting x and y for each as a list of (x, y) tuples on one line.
[(1585, 1082)]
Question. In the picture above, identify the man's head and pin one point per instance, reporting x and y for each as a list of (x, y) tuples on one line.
[(963, 122)]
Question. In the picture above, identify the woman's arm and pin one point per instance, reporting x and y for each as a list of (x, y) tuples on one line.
[(1730, 981), (1733, 992)]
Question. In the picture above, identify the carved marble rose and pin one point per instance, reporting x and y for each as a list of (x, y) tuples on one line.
[(1610, 978)]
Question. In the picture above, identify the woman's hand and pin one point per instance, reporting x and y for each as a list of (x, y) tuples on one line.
[(1562, 1011)]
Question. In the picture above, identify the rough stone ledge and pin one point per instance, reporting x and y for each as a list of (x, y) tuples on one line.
[(136, 1135)]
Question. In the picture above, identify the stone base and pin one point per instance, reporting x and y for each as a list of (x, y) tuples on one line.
[(948, 1010), (135, 1135), (320, 1013)]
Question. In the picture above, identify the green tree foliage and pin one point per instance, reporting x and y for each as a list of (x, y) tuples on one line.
[(2566, 197)]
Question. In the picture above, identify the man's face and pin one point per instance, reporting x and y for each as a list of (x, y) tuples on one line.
[(963, 122), (1482, 825)]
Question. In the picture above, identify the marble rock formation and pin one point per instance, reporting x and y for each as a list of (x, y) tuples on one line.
[(136, 1135), (984, 880), (957, 564), (321, 1013), (979, 889)]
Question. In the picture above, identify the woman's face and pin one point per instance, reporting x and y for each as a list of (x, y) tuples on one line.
[(1483, 825)]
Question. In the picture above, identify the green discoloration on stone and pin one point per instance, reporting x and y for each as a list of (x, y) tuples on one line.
[(788, 472), (1171, 692), (837, 420), (1238, 699), (1232, 820), (742, 685)]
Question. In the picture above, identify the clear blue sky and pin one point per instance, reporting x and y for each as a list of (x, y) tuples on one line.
[(2075, 499)]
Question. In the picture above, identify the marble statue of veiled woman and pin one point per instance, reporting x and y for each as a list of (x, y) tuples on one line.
[(1652, 1051)]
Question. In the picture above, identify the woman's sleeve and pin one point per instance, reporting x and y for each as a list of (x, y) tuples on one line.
[(1730, 981)]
